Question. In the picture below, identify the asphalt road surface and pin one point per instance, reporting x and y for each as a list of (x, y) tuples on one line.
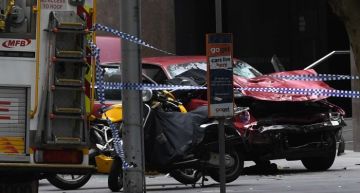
[(343, 176)]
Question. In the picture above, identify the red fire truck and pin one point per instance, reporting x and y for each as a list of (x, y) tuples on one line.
[(45, 95)]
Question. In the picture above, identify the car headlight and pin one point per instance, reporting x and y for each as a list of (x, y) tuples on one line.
[(147, 95)]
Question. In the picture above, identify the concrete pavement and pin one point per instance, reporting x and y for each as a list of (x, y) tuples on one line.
[(348, 134), (343, 177)]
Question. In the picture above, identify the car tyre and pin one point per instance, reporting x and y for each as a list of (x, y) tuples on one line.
[(186, 176), (233, 172), (322, 163)]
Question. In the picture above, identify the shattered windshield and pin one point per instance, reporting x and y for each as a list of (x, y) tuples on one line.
[(112, 73), (241, 68), (177, 69)]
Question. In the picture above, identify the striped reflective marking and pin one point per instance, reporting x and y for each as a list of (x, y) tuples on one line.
[(13, 113), (5, 102), (13, 121), (14, 145), (12, 110), (4, 109)]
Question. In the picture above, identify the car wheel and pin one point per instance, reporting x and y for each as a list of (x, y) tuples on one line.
[(325, 162), (186, 176), (232, 172)]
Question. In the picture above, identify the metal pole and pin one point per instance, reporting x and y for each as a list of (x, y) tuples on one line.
[(317, 62), (355, 85), (131, 99), (222, 155), (218, 14)]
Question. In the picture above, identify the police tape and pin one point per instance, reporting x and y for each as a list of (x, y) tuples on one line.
[(100, 85), (128, 37), (144, 86), (307, 91), (316, 77), (304, 77), (294, 91)]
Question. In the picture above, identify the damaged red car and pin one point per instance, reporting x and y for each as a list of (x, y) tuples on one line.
[(276, 126)]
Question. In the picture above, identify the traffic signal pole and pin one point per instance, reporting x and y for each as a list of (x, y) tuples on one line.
[(134, 181)]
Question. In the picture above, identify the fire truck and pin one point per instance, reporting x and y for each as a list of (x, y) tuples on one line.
[(45, 90)]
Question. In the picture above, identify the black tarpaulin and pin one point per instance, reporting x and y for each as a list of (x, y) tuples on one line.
[(173, 134)]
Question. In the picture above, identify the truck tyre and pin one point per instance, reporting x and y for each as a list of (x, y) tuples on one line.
[(68, 181), (322, 163), (186, 176), (233, 172), (115, 179)]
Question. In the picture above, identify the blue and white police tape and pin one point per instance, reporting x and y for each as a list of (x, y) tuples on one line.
[(317, 77), (118, 142), (305, 77), (128, 37), (301, 91), (142, 86)]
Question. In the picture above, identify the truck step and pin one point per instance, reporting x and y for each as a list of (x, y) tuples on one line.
[(67, 140), (68, 82), (67, 20), (64, 110), (80, 61), (66, 116), (69, 54)]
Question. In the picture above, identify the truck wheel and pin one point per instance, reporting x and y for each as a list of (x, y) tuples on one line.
[(232, 172), (68, 181), (115, 179), (186, 176), (322, 163)]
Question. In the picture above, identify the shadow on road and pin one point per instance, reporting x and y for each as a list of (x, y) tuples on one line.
[(178, 186), (273, 169)]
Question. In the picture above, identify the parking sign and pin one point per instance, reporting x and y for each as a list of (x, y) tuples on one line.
[(220, 74)]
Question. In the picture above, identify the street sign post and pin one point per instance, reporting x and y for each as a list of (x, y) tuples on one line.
[(220, 75), (220, 88)]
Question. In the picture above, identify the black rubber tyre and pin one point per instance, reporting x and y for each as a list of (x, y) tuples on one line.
[(322, 163), (115, 179), (233, 172), (186, 176), (68, 181)]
